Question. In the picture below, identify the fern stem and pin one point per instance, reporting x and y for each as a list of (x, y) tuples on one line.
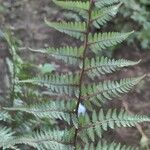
[(83, 67), (13, 81)]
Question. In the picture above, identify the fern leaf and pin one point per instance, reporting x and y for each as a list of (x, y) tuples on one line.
[(4, 116), (103, 65), (103, 121), (77, 6), (48, 80), (46, 140), (71, 55), (108, 89), (29, 93), (53, 109), (103, 3), (74, 29), (102, 16), (66, 91), (72, 16), (62, 84), (6, 135), (104, 145), (101, 41)]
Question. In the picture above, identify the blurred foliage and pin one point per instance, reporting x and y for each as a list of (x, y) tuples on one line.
[(2, 12), (1, 9), (47, 68), (18, 95), (136, 15)]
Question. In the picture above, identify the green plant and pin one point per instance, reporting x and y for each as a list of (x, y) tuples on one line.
[(43, 99), (137, 14)]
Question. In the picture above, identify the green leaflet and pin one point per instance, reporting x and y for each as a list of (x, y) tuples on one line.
[(102, 16), (102, 41), (103, 3), (101, 121), (6, 135), (70, 55), (48, 80), (57, 109), (79, 7), (98, 93), (73, 5), (74, 29), (47, 68), (46, 140), (4, 116), (63, 84), (103, 65), (29, 93), (72, 16)]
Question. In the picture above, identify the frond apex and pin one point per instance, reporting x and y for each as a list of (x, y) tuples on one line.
[(102, 16), (103, 65), (102, 41), (98, 93)]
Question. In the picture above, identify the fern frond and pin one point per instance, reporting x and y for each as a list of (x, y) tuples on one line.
[(46, 140), (102, 122), (4, 116), (74, 29), (103, 65), (108, 89), (101, 41), (62, 84), (102, 16), (103, 3), (29, 93), (77, 6), (58, 109), (69, 15), (49, 80), (71, 55), (64, 91), (102, 145), (6, 135)]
